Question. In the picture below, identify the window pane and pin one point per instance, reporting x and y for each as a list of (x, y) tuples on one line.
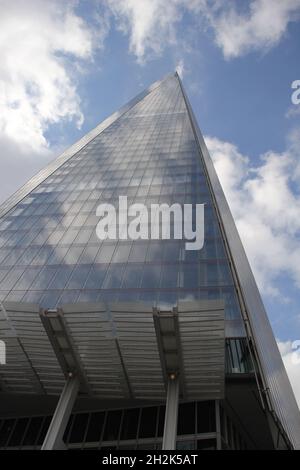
[(206, 421), (32, 431), (132, 277), (169, 276), (151, 276), (79, 427), (96, 277), (186, 419), (60, 279), (105, 253), (73, 255), (95, 427), (18, 433), (112, 425), (148, 422), (79, 277), (138, 252), (121, 253), (5, 431), (44, 278), (113, 277), (130, 423)]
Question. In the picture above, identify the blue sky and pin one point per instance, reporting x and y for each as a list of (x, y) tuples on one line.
[(67, 65)]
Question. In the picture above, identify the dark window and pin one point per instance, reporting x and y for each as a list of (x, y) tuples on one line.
[(130, 424), (44, 430), (18, 433), (186, 419), (206, 444), (112, 425), (32, 431), (6, 429), (95, 427), (79, 427), (148, 422), (185, 445), (206, 421)]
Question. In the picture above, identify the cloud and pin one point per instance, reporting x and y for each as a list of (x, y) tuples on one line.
[(291, 360), (41, 42), (265, 202), (152, 25), (261, 28), (180, 69)]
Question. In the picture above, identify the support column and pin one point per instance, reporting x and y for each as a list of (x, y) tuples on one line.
[(54, 437), (170, 426)]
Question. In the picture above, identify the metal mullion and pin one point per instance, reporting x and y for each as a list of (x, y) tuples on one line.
[(86, 430), (103, 429)]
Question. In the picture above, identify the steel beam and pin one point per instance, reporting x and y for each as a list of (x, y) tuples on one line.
[(170, 426), (54, 437)]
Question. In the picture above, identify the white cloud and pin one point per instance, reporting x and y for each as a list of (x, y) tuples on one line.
[(265, 203), (149, 23), (291, 359), (261, 28), (41, 41), (152, 25), (180, 68)]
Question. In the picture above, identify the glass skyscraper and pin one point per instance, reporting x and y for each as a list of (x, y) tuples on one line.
[(50, 256)]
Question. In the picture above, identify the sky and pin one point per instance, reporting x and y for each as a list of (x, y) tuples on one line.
[(65, 66)]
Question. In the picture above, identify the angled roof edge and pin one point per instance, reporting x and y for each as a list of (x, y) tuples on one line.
[(16, 197)]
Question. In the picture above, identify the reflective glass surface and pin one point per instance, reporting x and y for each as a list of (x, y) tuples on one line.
[(49, 250)]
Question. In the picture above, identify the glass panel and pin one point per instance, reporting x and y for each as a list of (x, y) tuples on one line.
[(32, 431), (95, 427), (186, 419), (79, 277), (105, 253), (61, 277), (130, 423), (79, 427), (6, 430), (169, 276), (148, 422), (132, 277), (206, 444), (151, 276), (44, 430), (206, 419), (112, 425), (18, 433), (96, 277)]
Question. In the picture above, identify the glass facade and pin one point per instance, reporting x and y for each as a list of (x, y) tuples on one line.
[(132, 428), (50, 253)]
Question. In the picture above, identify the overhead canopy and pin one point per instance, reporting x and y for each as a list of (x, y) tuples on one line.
[(118, 350)]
